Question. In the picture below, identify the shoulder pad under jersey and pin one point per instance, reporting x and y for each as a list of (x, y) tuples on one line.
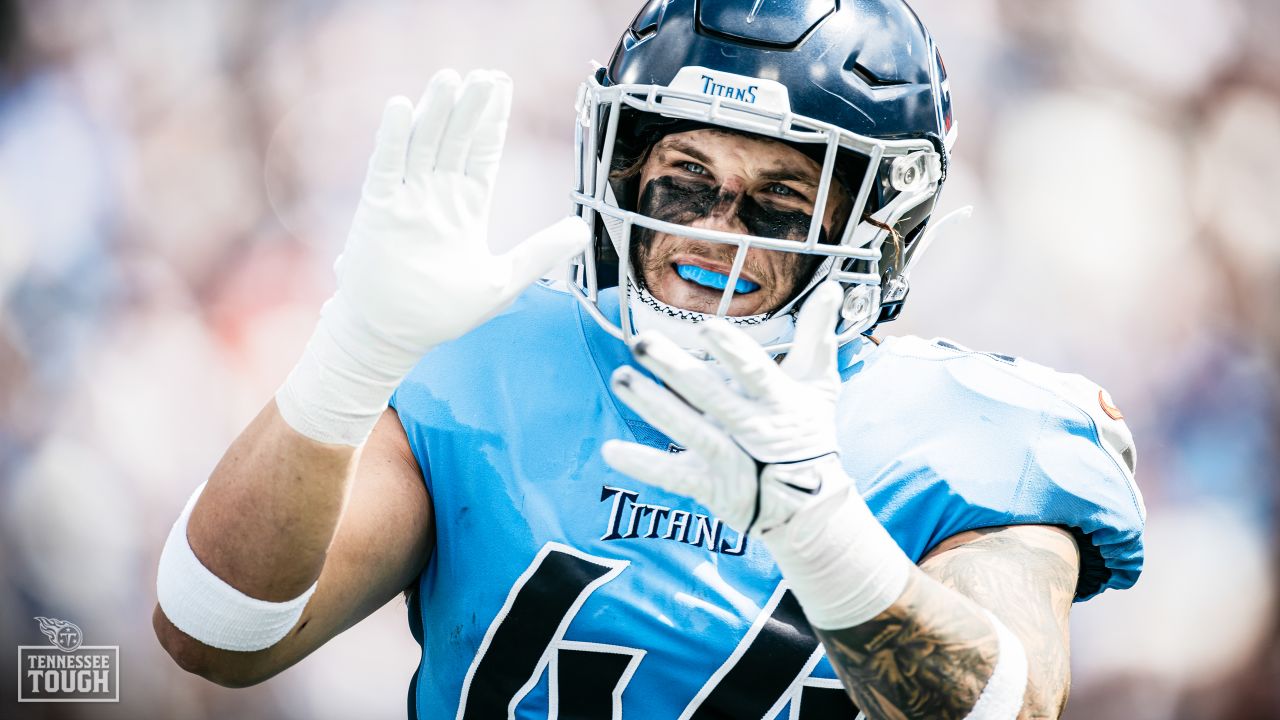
[(943, 439)]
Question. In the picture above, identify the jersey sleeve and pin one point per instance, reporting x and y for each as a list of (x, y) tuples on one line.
[(412, 402), (1085, 457), (975, 440)]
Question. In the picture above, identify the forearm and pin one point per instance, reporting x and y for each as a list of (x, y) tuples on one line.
[(930, 654), (271, 507), (904, 643)]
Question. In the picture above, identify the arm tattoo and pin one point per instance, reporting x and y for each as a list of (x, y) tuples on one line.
[(930, 654), (926, 656), (1027, 578)]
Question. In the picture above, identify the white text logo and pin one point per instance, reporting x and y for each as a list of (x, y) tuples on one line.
[(67, 670)]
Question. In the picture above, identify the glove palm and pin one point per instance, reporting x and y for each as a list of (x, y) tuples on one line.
[(763, 447), (417, 270)]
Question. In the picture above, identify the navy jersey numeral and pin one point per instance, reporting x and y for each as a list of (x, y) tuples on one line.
[(769, 667), (587, 680), (762, 674), (521, 640)]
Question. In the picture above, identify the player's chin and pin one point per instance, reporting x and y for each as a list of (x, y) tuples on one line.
[(674, 290)]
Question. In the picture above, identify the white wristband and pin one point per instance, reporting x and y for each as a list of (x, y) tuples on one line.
[(334, 396), (1002, 698), (841, 563), (205, 607)]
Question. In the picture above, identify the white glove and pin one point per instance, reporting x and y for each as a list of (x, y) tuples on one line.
[(417, 270), (762, 455), (757, 454)]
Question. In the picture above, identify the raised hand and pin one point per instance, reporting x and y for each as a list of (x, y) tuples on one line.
[(760, 447), (416, 270)]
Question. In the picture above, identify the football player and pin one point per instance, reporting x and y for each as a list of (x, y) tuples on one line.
[(686, 482)]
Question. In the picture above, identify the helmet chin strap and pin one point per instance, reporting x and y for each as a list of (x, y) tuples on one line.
[(650, 313)]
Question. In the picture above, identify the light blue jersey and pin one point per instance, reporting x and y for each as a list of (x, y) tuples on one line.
[(559, 588)]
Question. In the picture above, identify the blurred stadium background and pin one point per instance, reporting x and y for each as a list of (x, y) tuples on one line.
[(176, 179)]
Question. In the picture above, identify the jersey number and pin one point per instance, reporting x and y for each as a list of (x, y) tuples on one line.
[(770, 666)]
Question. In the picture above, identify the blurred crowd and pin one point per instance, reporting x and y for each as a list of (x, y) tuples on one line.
[(176, 179)]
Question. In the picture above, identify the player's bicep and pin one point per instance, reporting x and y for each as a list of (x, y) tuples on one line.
[(1026, 576), (381, 544), (382, 541)]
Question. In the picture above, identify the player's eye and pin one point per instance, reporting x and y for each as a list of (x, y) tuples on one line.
[(694, 168), (779, 190)]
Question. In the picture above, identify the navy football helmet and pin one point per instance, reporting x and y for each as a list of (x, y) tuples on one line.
[(857, 85)]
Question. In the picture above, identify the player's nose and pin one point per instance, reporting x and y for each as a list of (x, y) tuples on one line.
[(724, 213)]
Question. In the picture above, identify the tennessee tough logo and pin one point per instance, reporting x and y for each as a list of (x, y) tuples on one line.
[(66, 636)]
